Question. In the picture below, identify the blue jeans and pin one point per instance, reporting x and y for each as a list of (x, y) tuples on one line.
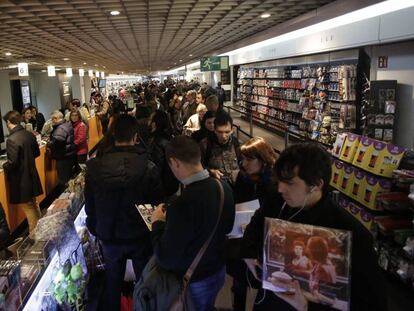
[(204, 292)]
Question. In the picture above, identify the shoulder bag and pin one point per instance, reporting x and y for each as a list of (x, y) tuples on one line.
[(159, 289)]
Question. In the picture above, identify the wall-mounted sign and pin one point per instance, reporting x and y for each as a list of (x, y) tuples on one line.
[(51, 71), (97, 74), (382, 61), (102, 75), (81, 72), (23, 69), (90, 73), (214, 63), (69, 72)]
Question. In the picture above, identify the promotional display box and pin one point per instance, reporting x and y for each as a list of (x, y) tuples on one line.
[(373, 186), (337, 146), (378, 157), (385, 158), (358, 184), (364, 152), (345, 185), (349, 147), (337, 173)]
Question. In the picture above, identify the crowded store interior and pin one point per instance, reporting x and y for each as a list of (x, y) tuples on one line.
[(195, 155)]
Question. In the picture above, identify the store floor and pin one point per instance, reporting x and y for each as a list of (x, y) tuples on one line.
[(277, 142)]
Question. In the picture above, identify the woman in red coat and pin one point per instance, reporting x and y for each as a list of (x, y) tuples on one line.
[(80, 136)]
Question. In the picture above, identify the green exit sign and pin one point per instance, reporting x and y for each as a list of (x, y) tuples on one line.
[(214, 63)]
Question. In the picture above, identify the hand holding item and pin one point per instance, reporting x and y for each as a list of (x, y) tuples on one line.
[(159, 213), (216, 173), (253, 265), (295, 297)]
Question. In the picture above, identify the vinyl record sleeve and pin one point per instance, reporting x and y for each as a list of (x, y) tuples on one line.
[(318, 258)]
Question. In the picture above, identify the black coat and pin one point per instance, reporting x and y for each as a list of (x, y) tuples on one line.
[(190, 221), (367, 283), (114, 183), (157, 146), (24, 181), (62, 141)]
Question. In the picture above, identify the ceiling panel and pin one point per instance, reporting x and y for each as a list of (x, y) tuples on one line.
[(146, 36)]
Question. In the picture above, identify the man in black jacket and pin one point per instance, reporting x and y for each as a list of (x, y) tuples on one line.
[(220, 153), (179, 234), (62, 147), (24, 181), (303, 172), (4, 234), (116, 181)]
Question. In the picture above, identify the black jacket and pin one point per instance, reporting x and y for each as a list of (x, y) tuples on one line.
[(24, 181), (157, 145), (190, 221), (114, 183), (367, 284), (246, 189), (62, 141)]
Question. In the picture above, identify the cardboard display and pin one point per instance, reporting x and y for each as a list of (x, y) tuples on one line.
[(349, 147)]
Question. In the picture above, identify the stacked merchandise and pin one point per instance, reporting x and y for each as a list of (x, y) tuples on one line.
[(51, 269), (314, 102), (9, 285), (365, 172)]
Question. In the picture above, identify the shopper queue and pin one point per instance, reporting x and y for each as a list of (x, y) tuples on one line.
[(169, 151)]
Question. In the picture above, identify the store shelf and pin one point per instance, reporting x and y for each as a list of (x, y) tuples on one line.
[(274, 97), (305, 138)]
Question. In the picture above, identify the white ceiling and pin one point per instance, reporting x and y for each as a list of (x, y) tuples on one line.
[(146, 36)]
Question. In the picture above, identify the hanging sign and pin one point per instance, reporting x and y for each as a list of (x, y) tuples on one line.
[(69, 72), (23, 69), (214, 63), (81, 72), (51, 71)]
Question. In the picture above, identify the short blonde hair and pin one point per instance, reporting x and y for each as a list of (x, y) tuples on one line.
[(201, 107)]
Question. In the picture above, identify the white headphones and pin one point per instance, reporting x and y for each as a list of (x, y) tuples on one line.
[(312, 189)]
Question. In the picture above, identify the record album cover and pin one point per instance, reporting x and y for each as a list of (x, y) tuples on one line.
[(317, 258)]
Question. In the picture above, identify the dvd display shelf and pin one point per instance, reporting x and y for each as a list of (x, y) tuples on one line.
[(313, 102)]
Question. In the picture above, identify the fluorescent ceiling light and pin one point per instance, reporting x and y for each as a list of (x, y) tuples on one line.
[(190, 55), (265, 15), (349, 18), (115, 13), (8, 54), (66, 58)]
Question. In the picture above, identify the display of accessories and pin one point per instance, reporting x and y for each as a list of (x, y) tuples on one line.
[(324, 96), (379, 108)]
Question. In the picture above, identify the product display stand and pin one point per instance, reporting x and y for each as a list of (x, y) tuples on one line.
[(309, 101)]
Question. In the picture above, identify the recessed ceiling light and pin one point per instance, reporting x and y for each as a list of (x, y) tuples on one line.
[(43, 70), (190, 55), (8, 54), (96, 65), (84, 63), (66, 58), (181, 60), (115, 13), (265, 15)]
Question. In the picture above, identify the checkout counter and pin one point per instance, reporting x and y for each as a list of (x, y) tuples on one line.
[(46, 167)]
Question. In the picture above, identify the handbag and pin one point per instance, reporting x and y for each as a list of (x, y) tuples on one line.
[(159, 289)]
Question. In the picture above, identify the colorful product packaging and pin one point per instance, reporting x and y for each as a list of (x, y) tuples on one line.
[(355, 210), (363, 153), (373, 186), (345, 185), (385, 159), (337, 146), (349, 147), (337, 173), (358, 184), (367, 218)]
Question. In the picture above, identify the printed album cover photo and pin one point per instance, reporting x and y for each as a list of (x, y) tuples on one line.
[(318, 258)]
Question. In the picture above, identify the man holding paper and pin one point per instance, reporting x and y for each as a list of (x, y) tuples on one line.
[(303, 172)]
